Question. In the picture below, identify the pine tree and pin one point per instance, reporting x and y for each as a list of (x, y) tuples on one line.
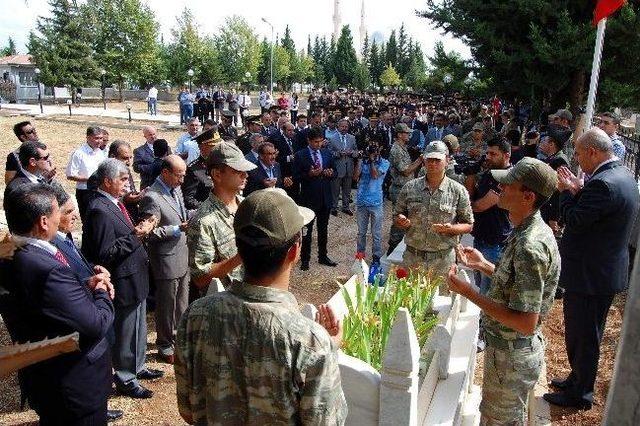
[(345, 62), (374, 64), (287, 41), (391, 54), (62, 48), (309, 50), (403, 51), (9, 49), (361, 77), (365, 50)]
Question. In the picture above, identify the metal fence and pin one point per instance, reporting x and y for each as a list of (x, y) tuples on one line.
[(631, 141)]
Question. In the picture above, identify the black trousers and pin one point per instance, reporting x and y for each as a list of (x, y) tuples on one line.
[(322, 219), (83, 197), (97, 418), (584, 320)]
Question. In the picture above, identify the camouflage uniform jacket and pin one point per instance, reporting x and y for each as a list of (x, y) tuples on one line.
[(526, 276), (247, 356), (399, 159), (449, 203), (468, 143), (211, 238)]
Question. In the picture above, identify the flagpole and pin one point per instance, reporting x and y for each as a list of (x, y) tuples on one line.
[(595, 73)]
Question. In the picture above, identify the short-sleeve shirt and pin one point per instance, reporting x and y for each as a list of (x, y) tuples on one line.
[(526, 276), (211, 239), (185, 144), (449, 203), (400, 159), (84, 162), (491, 226), (248, 356), (369, 189)]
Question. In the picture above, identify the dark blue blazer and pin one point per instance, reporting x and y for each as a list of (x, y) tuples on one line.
[(78, 263), (284, 151), (259, 174), (598, 219), (315, 192), (143, 164), (50, 302), (109, 240)]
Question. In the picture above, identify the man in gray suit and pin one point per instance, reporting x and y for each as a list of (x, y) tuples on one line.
[(168, 253), (344, 149)]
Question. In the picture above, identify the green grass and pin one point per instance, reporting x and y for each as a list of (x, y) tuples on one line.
[(371, 315)]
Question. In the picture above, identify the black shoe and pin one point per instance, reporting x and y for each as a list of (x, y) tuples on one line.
[(334, 212), (559, 384), (113, 415), (559, 293), (347, 212), (326, 261), (304, 265), (137, 392), (561, 399), (149, 374)]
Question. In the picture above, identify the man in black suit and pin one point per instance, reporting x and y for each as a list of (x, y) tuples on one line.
[(110, 238), (143, 157), (35, 166), (598, 220), (284, 143), (268, 173), (313, 168), (51, 301)]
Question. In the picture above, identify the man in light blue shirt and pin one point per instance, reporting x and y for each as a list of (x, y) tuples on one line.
[(187, 147), (370, 173)]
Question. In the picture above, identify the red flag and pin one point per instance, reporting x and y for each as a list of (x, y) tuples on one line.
[(604, 8)]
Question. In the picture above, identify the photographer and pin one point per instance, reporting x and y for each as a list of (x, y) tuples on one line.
[(370, 173)]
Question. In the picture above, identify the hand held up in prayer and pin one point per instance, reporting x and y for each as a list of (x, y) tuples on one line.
[(327, 172), (470, 257), (402, 221), (326, 318), (146, 226), (287, 182), (315, 171), (441, 228), (567, 181), (456, 284)]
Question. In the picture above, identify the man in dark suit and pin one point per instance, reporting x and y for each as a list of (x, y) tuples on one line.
[(51, 301), (344, 150), (168, 251), (110, 238), (35, 166), (598, 220), (143, 157), (268, 173), (284, 144), (313, 168)]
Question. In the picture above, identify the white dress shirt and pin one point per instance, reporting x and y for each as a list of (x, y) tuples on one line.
[(84, 162)]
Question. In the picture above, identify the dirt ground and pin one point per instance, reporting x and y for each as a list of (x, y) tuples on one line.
[(314, 286)]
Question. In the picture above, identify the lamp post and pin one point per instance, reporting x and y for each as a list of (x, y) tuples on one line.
[(69, 102), (190, 74), (37, 71), (271, 62), (129, 111), (103, 72)]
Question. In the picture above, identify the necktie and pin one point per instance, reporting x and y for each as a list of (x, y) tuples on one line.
[(60, 258), (344, 142), (316, 160), (175, 198), (124, 211)]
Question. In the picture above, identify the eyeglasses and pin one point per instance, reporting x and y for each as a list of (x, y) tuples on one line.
[(45, 158), (29, 132)]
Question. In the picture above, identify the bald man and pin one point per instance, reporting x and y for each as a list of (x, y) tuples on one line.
[(143, 157), (168, 253)]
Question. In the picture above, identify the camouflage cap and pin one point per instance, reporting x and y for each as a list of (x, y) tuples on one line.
[(451, 141), (274, 214), (478, 126), (436, 149), (532, 173), (564, 113), (402, 128), (228, 154)]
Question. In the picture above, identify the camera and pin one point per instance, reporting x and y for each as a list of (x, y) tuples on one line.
[(468, 166)]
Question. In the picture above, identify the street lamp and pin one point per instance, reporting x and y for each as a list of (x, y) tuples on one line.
[(190, 74), (271, 62), (129, 111), (103, 72), (447, 79), (37, 71), (69, 105)]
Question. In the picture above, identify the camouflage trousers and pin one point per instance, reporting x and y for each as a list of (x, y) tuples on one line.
[(439, 262), (509, 375)]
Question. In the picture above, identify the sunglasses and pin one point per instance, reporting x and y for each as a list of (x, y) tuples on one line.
[(28, 132), (45, 158)]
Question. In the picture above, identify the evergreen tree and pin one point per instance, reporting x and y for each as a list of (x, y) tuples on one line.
[(281, 66), (264, 70), (309, 50), (362, 78), (365, 50), (186, 50), (9, 49), (329, 60), (287, 41), (538, 51), (391, 54), (345, 62), (447, 63), (390, 77), (404, 42), (124, 41), (62, 48), (374, 63)]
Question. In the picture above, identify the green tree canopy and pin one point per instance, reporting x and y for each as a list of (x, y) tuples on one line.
[(239, 49), (345, 61), (390, 77), (9, 49)]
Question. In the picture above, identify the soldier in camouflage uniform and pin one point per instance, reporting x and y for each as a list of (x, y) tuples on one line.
[(523, 284), (434, 211), (402, 170), (247, 355), (210, 237), (473, 144)]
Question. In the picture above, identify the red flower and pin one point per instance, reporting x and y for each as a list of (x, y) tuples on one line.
[(360, 255), (401, 273)]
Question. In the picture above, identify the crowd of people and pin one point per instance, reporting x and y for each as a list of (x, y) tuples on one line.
[(542, 200)]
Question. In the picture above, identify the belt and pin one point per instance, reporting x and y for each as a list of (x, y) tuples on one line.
[(425, 253), (504, 344)]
